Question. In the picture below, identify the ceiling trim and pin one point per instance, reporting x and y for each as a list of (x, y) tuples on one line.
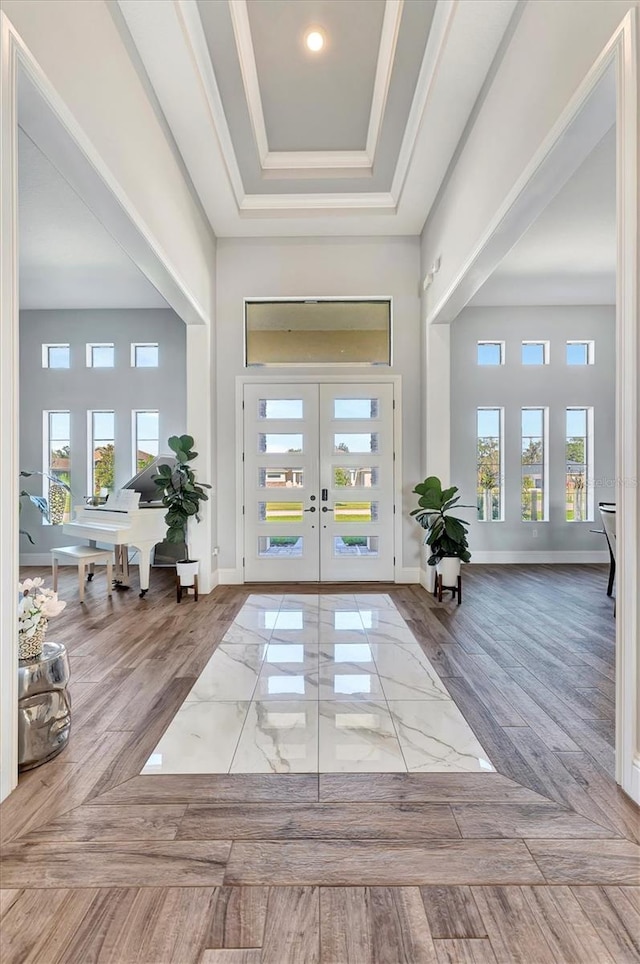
[(321, 163), (310, 203)]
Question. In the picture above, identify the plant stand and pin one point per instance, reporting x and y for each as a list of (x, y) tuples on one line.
[(185, 589), (454, 590)]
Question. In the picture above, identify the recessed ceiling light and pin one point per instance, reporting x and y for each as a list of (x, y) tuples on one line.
[(314, 40)]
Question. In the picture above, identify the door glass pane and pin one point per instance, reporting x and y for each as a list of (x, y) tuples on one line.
[(280, 408), (356, 407), (348, 442), (279, 444), (355, 545), (366, 478), (355, 511), (280, 478), (281, 547), (280, 511)]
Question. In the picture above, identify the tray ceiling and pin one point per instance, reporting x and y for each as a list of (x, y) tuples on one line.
[(355, 139)]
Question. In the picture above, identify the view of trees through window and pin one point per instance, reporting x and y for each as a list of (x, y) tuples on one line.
[(103, 450), (489, 464), (577, 458), (533, 469)]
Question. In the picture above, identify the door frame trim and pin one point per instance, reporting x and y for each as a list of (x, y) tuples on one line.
[(236, 576)]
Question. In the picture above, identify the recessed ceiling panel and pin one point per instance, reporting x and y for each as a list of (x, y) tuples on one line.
[(291, 75), (316, 101)]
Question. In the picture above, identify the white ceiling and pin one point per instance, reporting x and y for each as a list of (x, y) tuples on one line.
[(67, 258), (568, 256), (355, 140)]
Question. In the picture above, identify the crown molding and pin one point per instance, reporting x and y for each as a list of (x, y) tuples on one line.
[(293, 164), (323, 204)]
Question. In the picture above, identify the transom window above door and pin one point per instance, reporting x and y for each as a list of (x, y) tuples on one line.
[(318, 331)]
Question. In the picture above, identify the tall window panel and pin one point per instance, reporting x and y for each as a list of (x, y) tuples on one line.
[(57, 465), (146, 439), (579, 462), (489, 463), (534, 470), (102, 459)]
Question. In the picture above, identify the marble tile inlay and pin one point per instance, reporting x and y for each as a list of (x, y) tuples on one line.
[(306, 683)]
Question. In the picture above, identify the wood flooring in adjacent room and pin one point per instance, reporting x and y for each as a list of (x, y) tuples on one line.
[(536, 863)]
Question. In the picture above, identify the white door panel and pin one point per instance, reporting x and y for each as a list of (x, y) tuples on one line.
[(318, 482)]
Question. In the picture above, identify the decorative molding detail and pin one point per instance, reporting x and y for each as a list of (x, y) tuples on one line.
[(436, 42), (320, 163), (187, 12), (321, 203)]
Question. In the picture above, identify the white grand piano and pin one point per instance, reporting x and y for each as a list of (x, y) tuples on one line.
[(132, 517)]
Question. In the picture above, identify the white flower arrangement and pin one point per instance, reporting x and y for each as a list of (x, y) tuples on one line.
[(36, 606)]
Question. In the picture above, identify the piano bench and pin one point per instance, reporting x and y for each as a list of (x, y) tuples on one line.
[(83, 556)]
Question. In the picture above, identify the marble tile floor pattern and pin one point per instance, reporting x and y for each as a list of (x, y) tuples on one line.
[(305, 683)]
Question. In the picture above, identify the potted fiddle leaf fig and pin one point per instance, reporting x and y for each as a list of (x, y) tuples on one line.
[(446, 535), (181, 496)]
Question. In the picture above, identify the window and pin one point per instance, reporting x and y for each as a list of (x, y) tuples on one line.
[(535, 352), (534, 470), (56, 356), (318, 331), (491, 353), (144, 355), (146, 439), (57, 465), (102, 453), (100, 356), (581, 352), (579, 460), (489, 464)]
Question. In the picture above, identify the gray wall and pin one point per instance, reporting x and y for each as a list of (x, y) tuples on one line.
[(514, 386), (80, 389)]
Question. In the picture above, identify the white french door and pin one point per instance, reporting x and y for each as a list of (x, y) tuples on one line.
[(318, 482)]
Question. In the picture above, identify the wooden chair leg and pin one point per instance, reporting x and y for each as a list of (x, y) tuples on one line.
[(109, 577), (195, 588), (459, 589), (81, 580), (439, 578)]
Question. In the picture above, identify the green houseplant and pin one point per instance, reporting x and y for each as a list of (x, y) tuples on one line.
[(181, 495), (446, 535)]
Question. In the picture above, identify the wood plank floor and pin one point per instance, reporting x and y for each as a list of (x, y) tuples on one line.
[(538, 862)]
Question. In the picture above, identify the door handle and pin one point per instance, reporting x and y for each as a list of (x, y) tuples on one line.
[(325, 495), (326, 508), (312, 509)]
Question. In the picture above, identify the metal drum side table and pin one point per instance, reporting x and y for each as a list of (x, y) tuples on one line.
[(44, 706)]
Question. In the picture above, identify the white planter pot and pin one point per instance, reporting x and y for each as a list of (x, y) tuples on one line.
[(187, 571), (449, 569)]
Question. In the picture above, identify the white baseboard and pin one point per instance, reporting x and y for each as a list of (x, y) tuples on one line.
[(507, 557), (428, 578), (230, 577), (407, 574)]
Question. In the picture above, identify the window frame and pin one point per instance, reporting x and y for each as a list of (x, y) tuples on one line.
[(591, 352), (45, 356), (545, 461), (491, 341), (89, 356), (46, 452), (91, 446), (546, 351), (305, 299), (501, 477), (144, 344), (588, 462), (134, 435)]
